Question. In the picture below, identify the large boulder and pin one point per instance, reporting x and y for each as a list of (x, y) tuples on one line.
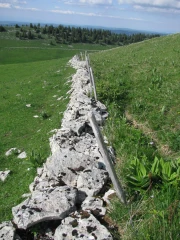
[(83, 226), (92, 180), (56, 203)]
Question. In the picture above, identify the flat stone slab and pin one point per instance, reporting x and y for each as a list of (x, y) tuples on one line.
[(53, 204), (7, 231), (83, 226)]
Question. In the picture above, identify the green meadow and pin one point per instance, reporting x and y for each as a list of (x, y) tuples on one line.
[(140, 85), (32, 72)]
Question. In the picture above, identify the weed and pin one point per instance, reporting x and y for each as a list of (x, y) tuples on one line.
[(44, 115), (36, 159)]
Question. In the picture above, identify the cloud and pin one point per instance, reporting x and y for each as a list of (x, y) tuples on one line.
[(19, 2), (5, 5), (10, 3), (172, 4), (156, 9), (95, 15), (88, 2), (29, 9), (96, 2)]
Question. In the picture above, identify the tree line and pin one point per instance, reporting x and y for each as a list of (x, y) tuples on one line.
[(68, 35)]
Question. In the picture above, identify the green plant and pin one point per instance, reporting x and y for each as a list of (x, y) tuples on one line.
[(143, 175), (138, 177), (36, 159), (44, 115)]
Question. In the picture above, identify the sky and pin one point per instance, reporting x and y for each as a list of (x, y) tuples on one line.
[(150, 15)]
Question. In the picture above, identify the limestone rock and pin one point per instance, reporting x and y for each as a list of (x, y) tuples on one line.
[(22, 155), (4, 175), (26, 195), (92, 180), (56, 203), (7, 231), (107, 195), (11, 150), (81, 226), (95, 205)]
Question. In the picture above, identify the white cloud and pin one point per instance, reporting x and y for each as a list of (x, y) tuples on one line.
[(90, 14), (155, 3), (19, 2), (156, 9), (5, 5), (104, 2), (90, 2), (29, 9), (10, 3)]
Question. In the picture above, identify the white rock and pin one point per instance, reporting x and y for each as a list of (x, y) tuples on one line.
[(4, 175), (11, 150), (53, 131), (22, 155), (26, 195), (81, 226), (56, 203), (95, 205), (7, 231), (58, 99), (91, 181), (28, 105), (107, 195), (35, 116)]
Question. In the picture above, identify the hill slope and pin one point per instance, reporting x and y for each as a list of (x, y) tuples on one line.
[(140, 85), (143, 80)]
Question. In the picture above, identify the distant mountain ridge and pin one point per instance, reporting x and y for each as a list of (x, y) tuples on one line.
[(126, 31)]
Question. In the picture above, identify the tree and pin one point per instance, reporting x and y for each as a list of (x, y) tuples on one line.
[(29, 35), (17, 26), (17, 34), (2, 29)]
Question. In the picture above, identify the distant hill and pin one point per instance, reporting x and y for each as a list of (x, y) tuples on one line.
[(126, 31)]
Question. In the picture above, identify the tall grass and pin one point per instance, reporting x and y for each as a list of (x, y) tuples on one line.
[(140, 85)]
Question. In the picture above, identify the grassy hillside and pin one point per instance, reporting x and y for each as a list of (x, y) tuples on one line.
[(140, 85), (32, 72), (39, 84)]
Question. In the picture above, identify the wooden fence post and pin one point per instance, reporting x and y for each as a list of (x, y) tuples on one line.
[(108, 162)]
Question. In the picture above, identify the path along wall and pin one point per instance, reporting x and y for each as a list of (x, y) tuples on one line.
[(67, 186)]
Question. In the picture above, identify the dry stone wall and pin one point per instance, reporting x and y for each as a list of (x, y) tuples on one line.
[(67, 186)]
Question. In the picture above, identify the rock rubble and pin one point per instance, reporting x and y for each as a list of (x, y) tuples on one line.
[(73, 174)]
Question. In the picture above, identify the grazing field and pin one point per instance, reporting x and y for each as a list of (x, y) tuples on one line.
[(33, 82), (140, 84), (39, 84)]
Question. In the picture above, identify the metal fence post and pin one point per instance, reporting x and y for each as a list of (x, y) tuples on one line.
[(108, 162)]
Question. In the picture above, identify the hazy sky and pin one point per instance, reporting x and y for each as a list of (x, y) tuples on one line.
[(155, 15)]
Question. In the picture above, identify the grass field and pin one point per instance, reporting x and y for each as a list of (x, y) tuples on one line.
[(32, 72), (140, 85)]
